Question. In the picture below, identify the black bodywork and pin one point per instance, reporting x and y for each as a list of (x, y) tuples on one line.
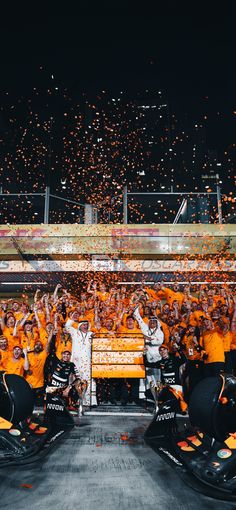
[(200, 445), (23, 437)]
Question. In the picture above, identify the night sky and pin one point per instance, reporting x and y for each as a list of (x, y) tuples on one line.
[(189, 56)]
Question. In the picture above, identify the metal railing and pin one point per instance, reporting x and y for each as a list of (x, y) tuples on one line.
[(187, 194)]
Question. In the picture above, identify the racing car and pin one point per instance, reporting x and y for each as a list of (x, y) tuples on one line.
[(24, 438), (201, 443)]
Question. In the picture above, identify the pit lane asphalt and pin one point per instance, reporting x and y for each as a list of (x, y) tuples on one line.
[(104, 463)]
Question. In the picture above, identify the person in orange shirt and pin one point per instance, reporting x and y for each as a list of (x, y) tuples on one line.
[(3, 309), (41, 312), (10, 329), (195, 355), (15, 308), (173, 294), (224, 313), (108, 327), (154, 293), (35, 373), (63, 340), (4, 352), (101, 294), (28, 336), (212, 343), (227, 336), (21, 312), (130, 327), (89, 313), (197, 316), (164, 312), (16, 364), (168, 324)]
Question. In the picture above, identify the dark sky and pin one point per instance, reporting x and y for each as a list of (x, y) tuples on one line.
[(190, 54)]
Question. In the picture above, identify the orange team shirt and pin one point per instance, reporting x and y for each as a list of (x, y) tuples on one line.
[(36, 366), (42, 318), (190, 349), (227, 340), (103, 296), (166, 331), (195, 317), (15, 367), (125, 301), (171, 296), (124, 317), (4, 357), (125, 330), (63, 343), (12, 340), (60, 318), (19, 315), (89, 316), (104, 331), (84, 318), (152, 294), (212, 343), (219, 299), (43, 336), (27, 340), (191, 298)]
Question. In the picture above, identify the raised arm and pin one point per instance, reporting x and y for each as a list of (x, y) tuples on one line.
[(49, 340), (36, 316), (55, 293), (26, 360), (36, 298), (137, 316)]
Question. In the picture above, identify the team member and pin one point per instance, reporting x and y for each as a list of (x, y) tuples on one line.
[(35, 372), (81, 350), (170, 365), (65, 371), (63, 377), (195, 355), (16, 364), (153, 338), (212, 342), (4, 352)]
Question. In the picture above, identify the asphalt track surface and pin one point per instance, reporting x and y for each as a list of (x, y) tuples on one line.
[(102, 464)]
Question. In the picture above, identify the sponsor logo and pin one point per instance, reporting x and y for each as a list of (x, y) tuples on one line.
[(56, 407), (169, 380), (14, 432), (224, 453), (170, 456), (4, 264), (166, 416)]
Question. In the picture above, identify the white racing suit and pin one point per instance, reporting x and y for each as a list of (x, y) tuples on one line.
[(81, 354), (153, 338)]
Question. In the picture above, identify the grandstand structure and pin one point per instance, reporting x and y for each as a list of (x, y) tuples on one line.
[(34, 255)]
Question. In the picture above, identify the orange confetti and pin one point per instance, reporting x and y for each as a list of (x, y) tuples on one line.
[(125, 436)]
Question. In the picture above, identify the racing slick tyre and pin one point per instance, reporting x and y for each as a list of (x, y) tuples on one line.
[(16, 398), (203, 404)]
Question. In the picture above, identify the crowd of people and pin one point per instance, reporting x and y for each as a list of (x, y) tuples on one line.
[(48, 339)]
